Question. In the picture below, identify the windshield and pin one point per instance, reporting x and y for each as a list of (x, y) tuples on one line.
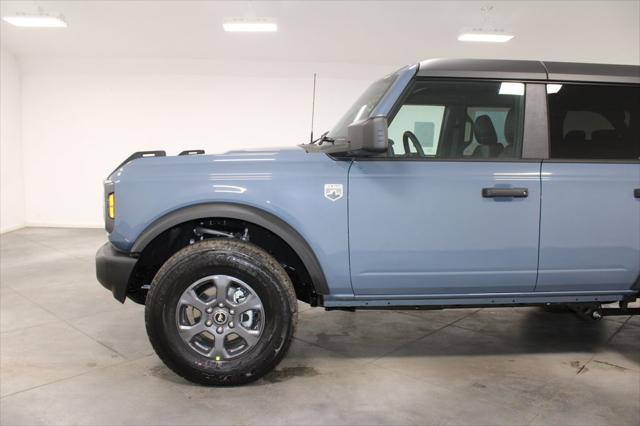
[(362, 107)]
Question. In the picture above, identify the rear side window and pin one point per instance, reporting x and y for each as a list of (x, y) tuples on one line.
[(594, 122)]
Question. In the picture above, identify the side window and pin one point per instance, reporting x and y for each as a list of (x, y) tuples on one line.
[(459, 119), (424, 121), (594, 122)]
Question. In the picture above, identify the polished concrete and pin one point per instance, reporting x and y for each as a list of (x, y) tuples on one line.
[(70, 354)]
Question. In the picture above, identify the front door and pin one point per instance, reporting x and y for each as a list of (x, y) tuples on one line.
[(451, 208)]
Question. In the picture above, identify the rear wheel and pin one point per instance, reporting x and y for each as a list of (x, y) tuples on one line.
[(221, 312)]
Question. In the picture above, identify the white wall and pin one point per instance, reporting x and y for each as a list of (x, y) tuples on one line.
[(93, 93), (12, 201), (82, 117)]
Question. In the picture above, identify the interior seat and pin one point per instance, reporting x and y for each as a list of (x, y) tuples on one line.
[(608, 143), (575, 136), (487, 138), (509, 135), (573, 145), (608, 135)]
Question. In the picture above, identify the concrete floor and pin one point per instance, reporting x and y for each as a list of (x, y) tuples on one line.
[(70, 354)]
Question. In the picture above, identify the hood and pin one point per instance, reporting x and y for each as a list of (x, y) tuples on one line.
[(152, 162)]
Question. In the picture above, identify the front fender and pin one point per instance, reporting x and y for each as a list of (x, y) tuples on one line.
[(288, 191)]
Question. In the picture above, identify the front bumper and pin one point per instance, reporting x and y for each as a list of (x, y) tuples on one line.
[(113, 269)]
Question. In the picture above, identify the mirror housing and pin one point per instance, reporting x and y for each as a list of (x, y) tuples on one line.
[(369, 135)]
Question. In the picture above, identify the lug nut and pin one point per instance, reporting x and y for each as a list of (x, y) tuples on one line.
[(208, 323), (232, 312), (209, 309), (221, 305), (219, 330), (231, 325)]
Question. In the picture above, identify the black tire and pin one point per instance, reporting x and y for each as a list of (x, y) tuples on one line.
[(236, 258)]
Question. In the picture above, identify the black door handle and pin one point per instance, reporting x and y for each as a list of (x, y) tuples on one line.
[(505, 192), (636, 192)]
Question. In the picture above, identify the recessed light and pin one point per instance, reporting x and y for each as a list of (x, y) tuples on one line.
[(36, 21), (245, 25), (487, 32)]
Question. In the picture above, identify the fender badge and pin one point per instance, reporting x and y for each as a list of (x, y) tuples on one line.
[(333, 191)]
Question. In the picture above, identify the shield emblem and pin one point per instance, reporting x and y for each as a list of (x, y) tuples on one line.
[(333, 191)]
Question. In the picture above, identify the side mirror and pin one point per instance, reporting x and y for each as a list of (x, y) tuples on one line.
[(370, 135)]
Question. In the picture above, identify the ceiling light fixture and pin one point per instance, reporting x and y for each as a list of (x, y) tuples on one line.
[(250, 25), (483, 36), (487, 32), (36, 20)]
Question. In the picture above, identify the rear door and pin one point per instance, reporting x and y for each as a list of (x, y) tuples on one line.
[(590, 222), (452, 208)]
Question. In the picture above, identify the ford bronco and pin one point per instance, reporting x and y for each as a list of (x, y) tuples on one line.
[(449, 183)]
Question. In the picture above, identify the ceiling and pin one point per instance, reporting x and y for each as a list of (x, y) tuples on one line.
[(376, 32)]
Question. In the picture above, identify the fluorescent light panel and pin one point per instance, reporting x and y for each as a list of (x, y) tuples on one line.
[(258, 25), (485, 37), (35, 21)]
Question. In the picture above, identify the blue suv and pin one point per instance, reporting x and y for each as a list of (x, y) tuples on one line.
[(449, 183)]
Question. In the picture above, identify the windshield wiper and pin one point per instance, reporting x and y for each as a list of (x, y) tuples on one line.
[(324, 138)]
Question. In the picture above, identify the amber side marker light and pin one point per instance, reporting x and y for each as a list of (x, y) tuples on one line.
[(112, 207)]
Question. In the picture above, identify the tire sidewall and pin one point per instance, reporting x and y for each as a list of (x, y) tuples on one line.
[(202, 261)]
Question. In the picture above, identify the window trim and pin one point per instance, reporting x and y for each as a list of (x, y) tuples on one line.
[(591, 160), (535, 134)]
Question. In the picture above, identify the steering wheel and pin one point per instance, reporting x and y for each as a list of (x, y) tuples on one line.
[(408, 135)]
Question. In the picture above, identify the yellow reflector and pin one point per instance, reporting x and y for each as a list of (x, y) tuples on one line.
[(112, 207)]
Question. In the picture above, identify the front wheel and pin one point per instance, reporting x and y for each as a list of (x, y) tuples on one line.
[(221, 312)]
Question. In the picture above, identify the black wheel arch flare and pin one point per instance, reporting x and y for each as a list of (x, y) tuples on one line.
[(245, 213)]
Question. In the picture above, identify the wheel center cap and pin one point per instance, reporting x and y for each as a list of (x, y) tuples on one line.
[(220, 317)]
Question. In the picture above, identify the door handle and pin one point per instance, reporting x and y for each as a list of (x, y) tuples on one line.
[(505, 192), (636, 192)]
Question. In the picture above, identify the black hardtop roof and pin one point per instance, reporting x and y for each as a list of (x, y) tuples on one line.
[(529, 70)]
